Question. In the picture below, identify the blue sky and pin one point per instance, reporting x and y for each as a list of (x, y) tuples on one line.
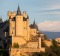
[(45, 12), (41, 10)]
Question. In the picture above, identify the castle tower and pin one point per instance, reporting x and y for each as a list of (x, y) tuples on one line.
[(33, 29), (11, 17), (19, 23), (26, 25)]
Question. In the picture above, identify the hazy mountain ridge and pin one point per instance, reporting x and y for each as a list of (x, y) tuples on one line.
[(51, 34)]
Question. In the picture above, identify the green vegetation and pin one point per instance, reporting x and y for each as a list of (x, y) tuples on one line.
[(21, 54), (16, 45), (54, 50)]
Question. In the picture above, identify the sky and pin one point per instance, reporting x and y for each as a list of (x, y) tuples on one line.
[(42, 11)]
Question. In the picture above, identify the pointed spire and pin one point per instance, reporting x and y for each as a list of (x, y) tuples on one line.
[(18, 11), (34, 22), (35, 25)]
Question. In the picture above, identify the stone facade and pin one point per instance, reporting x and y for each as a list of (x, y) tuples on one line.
[(23, 34)]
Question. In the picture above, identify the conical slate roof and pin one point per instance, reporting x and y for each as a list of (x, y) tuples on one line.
[(34, 25), (18, 11)]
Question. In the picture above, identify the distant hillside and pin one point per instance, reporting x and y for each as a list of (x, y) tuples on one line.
[(51, 34)]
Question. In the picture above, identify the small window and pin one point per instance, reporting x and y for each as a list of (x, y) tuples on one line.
[(24, 27), (13, 27), (13, 19), (12, 32), (9, 17), (34, 31)]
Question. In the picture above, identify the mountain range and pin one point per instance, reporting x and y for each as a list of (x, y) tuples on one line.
[(51, 35)]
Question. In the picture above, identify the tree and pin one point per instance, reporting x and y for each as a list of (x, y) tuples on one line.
[(16, 45), (55, 48)]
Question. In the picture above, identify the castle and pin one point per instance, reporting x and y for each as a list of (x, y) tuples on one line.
[(18, 38), (26, 36)]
